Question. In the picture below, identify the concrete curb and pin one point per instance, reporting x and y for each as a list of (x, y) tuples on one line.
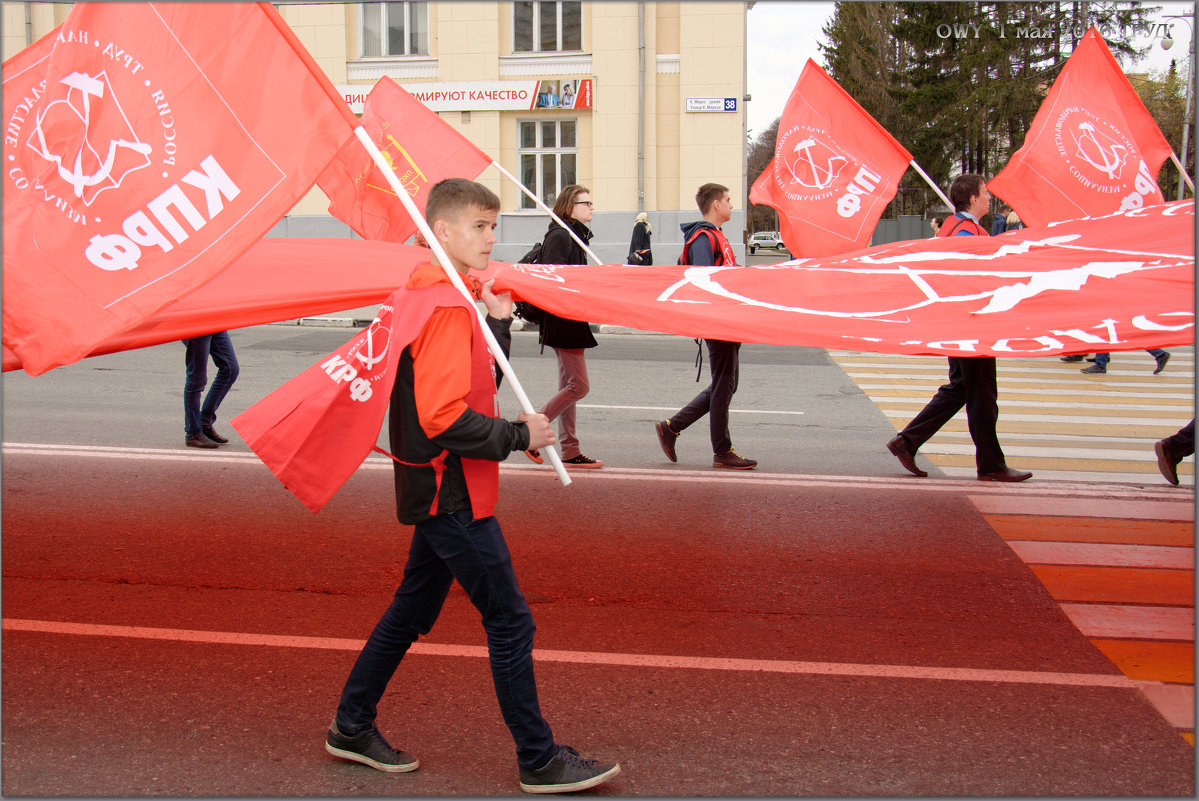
[(517, 325)]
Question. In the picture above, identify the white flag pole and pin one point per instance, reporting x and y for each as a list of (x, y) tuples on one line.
[(1182, 171), (492, 345), (936, 188), (547, 210)]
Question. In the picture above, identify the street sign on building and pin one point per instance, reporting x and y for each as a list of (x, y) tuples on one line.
[(711, 104)]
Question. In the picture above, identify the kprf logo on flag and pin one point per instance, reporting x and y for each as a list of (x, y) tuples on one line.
[(834, 169), (1092, 148), (139, 161)]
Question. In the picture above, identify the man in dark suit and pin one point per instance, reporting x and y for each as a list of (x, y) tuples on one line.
[(971, 379)]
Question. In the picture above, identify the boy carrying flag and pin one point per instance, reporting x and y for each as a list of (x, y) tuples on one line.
[(448, 443)]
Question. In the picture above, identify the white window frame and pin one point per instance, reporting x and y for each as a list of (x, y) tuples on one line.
[(382, 11), (536, 28), (538, 150)]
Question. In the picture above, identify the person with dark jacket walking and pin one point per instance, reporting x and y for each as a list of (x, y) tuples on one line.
[(639, 246), (568, 338), (705, 244)]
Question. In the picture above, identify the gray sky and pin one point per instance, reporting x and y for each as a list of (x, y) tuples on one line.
[(781, 36)]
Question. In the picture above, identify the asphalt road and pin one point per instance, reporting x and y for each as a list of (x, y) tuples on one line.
[(176, 623)]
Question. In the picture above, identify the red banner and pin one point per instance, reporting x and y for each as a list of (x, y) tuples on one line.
[(420, 147), (1092, 148), (1121, 282), (834, 170), (140, 159)]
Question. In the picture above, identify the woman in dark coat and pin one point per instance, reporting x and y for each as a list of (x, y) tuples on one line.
[(639, 247), (568, 338)]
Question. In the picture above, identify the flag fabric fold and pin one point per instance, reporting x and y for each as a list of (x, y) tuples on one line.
[(140, 161), (315, 430), (834, 170), (419, 146), (1093, 148)]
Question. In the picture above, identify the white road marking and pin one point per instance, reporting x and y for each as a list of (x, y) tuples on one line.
[(909, 672), (967, 484)]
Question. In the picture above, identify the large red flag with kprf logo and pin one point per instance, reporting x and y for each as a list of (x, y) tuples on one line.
[(834, 170), (419, 146), (140, 159), (1092, 148)]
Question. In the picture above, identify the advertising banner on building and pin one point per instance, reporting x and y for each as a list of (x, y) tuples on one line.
[(536, 95)]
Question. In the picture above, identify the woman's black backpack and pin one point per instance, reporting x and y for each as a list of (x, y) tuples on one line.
[(527, 311)]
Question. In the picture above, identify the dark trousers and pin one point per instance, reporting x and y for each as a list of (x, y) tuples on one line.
[(444, 548), (714, 401), (971, 384), (1182, 444), (220, 347)]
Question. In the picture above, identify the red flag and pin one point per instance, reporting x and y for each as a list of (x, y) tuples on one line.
[(420, 146), (834, 169), (314, 431), (141, 159), (1092, 148)]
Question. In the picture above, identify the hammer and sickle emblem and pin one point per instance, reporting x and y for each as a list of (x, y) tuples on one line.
[(813, 175), (1108, 160)]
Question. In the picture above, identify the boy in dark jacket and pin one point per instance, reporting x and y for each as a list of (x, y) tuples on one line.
[(704, 244), (448, 444)]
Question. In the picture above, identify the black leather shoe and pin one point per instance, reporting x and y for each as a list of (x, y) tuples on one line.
[(1161, 362), (1166, 461), (1076, 358), (210, 432), (201, 441), (899, 447), (1006, 474)]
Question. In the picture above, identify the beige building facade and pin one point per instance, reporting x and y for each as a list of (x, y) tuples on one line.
[(642, 102)]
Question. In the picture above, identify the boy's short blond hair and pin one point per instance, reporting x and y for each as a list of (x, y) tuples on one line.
[(449, 198)]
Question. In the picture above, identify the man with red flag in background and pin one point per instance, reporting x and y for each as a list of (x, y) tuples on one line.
[(971, 379)]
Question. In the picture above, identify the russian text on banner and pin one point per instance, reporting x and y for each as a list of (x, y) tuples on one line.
[(140, 161), (420, 147), (1092, 149), (834, 170)]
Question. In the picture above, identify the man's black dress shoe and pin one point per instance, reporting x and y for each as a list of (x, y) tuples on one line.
[(1006, 474), (899, 447), (201, 441), (210, 432)]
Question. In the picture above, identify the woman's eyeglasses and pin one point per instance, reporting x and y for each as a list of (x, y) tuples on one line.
[(586, 203)]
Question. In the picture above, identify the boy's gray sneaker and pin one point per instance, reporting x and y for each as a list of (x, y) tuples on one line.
[(566, 773), (369, 748)]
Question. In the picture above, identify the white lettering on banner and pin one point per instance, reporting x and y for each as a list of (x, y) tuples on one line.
[(1145, 324), (342, 371), (1144, 185), (863, 183), (1047, 343), (122, 251), (12, 131), (119, 55)]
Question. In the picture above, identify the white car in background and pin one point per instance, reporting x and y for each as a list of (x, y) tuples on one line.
[(765, 239)]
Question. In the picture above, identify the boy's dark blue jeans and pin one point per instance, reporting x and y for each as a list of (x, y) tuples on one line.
[(444, 548)]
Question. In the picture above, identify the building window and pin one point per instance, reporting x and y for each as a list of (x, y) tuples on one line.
[(548, 155), (547, 26), (394, 29)]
